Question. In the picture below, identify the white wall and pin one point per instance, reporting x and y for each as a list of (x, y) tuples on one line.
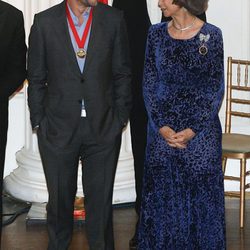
[(233, 17)]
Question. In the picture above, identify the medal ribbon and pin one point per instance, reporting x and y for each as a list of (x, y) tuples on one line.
[(103, 1), (80, 42)]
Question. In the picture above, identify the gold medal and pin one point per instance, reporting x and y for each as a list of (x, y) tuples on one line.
[(81, 53)]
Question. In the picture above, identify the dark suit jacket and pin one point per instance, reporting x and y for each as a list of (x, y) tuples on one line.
[(56, 85), (12, 50), (138, 23)]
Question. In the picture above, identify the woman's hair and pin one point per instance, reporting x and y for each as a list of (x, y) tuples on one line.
[(195, 7)]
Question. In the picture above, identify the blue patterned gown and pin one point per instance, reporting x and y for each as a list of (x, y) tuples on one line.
[(183, 196)]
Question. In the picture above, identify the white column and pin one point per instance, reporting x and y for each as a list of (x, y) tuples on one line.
[(27, 182)]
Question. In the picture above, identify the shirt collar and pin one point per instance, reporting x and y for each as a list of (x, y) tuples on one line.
[(85, 15)]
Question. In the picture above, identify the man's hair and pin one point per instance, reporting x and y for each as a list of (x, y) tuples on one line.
[(195, 7)]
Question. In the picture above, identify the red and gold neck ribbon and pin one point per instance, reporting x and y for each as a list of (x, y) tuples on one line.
[(80, 42)]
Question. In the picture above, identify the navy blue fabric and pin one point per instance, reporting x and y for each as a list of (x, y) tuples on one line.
[(183, 193)]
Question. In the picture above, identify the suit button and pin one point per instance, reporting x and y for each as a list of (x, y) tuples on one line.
[(82, 80)]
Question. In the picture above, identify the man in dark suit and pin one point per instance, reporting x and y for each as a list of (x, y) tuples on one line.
[(79, 98), (12, 69), (138, 23)]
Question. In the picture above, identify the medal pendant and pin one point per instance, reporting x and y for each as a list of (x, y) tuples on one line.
[(203, 50), (81, 53)]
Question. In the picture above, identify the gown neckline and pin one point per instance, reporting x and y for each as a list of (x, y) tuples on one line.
[(189, 39)]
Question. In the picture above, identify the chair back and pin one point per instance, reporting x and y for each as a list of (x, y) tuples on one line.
[(238, 90)]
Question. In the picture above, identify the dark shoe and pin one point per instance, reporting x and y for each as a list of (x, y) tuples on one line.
[(133, 243)]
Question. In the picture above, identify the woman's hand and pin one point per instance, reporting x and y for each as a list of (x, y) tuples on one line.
[(167, 132), (169, 135), (177, 140), (182, 137)]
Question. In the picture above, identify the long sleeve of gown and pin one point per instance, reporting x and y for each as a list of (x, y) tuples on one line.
[(150, 84)]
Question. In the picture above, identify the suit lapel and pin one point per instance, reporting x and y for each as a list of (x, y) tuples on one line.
[(94, 36), (62, 31)]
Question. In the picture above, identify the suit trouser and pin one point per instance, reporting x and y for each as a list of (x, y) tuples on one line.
[(60, 167), (3, 140)]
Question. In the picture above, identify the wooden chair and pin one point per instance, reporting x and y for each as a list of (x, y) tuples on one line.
[(237, 145)]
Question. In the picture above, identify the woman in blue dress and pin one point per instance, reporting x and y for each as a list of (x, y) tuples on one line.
[(183, 195)]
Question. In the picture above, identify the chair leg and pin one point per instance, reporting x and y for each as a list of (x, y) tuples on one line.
[(242, 191), (224, 163)]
